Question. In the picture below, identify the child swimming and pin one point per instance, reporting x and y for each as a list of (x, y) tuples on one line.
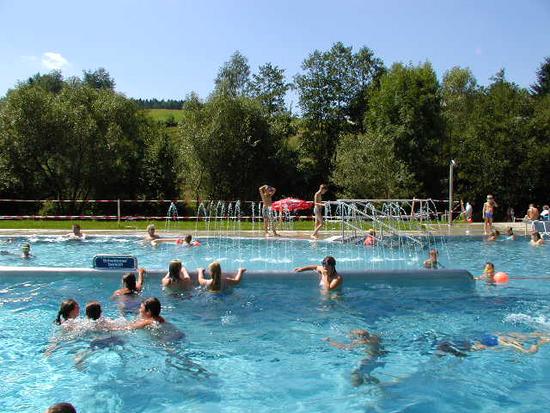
[(432, 261), (69, 310), (488, 273), (536, 239), (129, 294)]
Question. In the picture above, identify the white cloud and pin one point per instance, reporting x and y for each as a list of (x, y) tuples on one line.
[(54, 61)]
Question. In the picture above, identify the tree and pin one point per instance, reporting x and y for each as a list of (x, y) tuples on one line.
[(51, 82), (366, 167), (78, 143), (269, 87), (98, 79), (226, 147), (407, 109), (542, 85), (234, 76), (332, 96)]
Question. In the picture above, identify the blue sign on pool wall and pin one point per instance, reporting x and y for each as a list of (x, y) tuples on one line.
[(115, 262)]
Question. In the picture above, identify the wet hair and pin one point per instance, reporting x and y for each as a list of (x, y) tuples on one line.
[(150, 227), (509, 231), (216, 274), (65, 310), (152, 305), (495, 233), (329, 261), (129, 281), (188, 238), (174, 270), (93, 310), (536, 235), (488, 263), (76, 226), (61, 408), (26, 247), (434, 251)]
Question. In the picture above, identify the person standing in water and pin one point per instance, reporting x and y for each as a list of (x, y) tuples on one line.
[(26, 251), (177, 278), (151, 235), (266, 193), (218, 282), (432, 261), (488, 214), (318, 206), (69, 310), (329, 279), (129, 295), (76, 233)]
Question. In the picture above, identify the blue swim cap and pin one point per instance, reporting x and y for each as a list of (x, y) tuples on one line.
[(489, 340)]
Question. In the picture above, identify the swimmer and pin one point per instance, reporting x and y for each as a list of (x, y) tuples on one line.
[(488, 214), (370, 239), (61, 408), (515, 341), (94, 314), (494, 235), (69, 310), (76, 233), (131, 286), (488, 273), (129, 294), (151, 236), (318, 206), (266, 193), (177, 277), (149, 312), (26, 251), (510, 236), (184, 242), (371, 344), (536, 239), (218, 281), (329, 279), (432, 261)]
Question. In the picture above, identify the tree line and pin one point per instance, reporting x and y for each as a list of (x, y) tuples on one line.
[(369, 130)]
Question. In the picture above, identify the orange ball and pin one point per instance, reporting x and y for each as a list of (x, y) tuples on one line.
[(501, 278)]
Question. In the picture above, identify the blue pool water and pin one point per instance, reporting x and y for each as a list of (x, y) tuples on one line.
[(260, 347)]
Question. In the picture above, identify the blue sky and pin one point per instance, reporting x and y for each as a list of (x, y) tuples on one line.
[(168, 48)]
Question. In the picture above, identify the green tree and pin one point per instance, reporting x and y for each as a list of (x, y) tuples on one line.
[(52, 82), (366, 167), (98, 79), (269, 87), (407, 108), (234, 76), (542, 85), (226, 147), (332, 96)]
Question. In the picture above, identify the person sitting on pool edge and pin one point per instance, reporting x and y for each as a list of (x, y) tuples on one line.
[(371, 343), (218, 282), (515, 341), (177, 277), (432, 261), (75, 233), (536, 239), (61, 408), (328, 276)]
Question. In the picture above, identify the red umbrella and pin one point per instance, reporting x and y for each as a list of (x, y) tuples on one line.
[(291, 204)]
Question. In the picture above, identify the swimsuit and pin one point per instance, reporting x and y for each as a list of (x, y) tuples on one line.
[(317, 210), (489, 214), (267, 212), (489, 340)]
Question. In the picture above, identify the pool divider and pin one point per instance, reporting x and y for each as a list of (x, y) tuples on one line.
[(418, 276)]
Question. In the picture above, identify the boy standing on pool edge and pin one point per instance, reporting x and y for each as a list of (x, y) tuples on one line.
[(266, 193), (318, 206)]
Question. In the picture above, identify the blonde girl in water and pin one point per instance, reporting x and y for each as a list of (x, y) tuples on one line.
[(218, 282), (177, 277)]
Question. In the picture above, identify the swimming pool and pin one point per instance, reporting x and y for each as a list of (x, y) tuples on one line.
[(261, 348)]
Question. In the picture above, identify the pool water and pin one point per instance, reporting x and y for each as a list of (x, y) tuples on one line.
[(261, 347)]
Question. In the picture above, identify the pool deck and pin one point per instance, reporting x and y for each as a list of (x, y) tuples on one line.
[(460, 229)]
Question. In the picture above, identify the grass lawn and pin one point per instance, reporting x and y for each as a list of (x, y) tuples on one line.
[(163, 114), (161, 225)]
